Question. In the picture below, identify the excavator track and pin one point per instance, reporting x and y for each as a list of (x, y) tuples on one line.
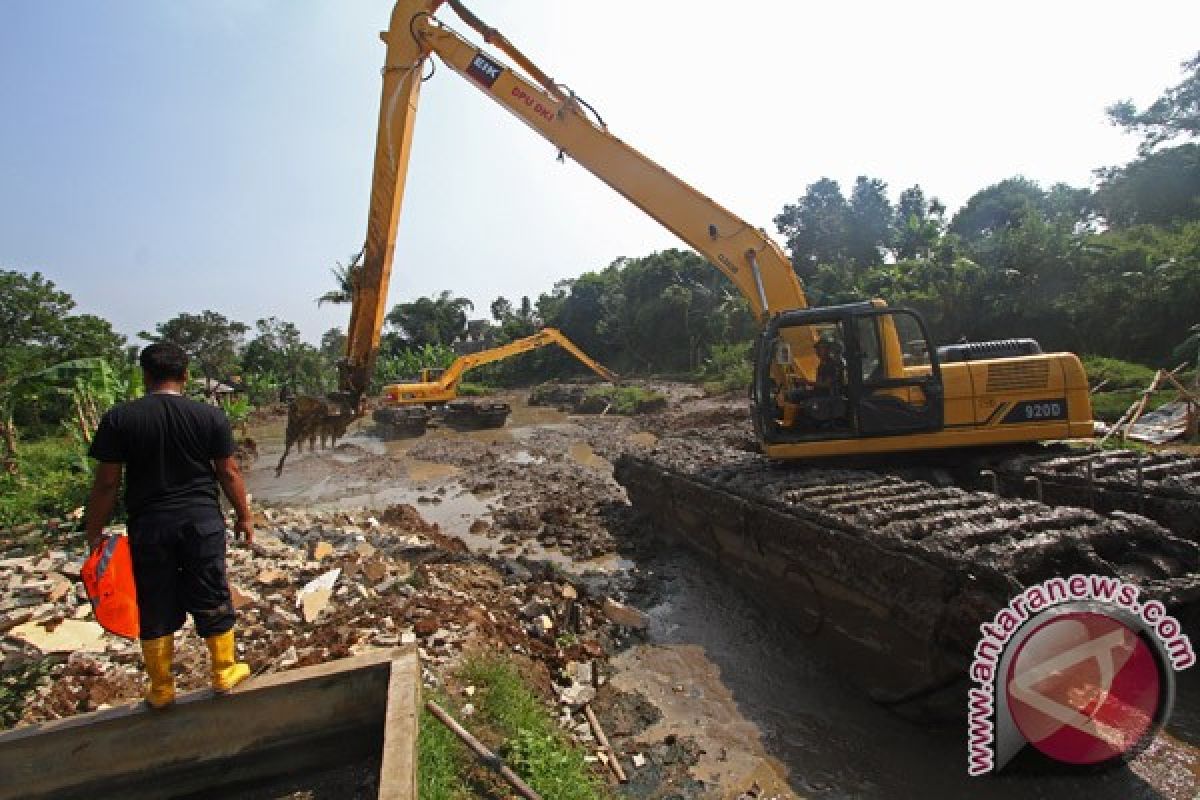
[(895, 574), (1164, 486)]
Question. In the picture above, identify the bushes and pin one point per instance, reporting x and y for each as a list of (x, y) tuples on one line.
[(627, 400), (729, 368), (54, 479)]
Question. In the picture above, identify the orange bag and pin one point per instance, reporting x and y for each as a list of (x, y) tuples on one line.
[(108, 579)]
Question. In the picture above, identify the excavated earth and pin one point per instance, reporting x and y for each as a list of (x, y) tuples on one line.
[(728, 635)]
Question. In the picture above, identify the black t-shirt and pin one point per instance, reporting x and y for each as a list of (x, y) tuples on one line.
[(167, 444)]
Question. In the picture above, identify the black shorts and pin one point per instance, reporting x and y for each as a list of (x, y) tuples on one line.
[(179, 569)]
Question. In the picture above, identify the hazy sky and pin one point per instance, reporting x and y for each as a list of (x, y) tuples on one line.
[(175, 155)]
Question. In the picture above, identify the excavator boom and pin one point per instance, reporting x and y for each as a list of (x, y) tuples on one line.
[(445, 388), (846, 380), (750, 259)]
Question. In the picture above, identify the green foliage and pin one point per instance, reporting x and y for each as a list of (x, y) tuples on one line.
[(1176, 112), (1117, 374), (627, 400), (729, 368), (1109, 406), (16, 685), (346, 278), (211, 340), (52, 481), (277, 350), (430, 320), (441, 759), (473, 390), (534, 746), (404, 365), (1160, 188), (237, 409), (556, 771), (37, 328), (1189, 349), (661, 313)]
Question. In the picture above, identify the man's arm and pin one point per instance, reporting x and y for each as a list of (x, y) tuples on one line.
[(229, 475), (102, 500)]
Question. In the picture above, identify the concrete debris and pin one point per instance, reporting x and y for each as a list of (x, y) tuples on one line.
[(622, 614), (576, 695), (63, 636)]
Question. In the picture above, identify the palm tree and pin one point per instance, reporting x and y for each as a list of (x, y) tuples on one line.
[(347, 278)]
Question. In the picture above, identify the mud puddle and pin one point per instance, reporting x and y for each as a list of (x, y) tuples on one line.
[(767, 708)]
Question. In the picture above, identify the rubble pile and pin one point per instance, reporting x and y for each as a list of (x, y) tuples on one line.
[(316, 587), (544, 496)]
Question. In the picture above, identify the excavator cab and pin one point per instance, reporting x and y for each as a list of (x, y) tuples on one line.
[(844, 372), (431, 374)]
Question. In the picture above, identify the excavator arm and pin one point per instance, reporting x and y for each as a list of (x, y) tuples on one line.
[(543, 338), (446, 386), (747, 256)]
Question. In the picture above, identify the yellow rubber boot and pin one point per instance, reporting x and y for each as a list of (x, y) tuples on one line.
[(227, 671), (157, 655)]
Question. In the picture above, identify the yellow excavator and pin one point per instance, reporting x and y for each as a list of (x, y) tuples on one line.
[(408, 407), (852, 379)]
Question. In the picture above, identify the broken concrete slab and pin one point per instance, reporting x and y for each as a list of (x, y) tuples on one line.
[(622, 614), (67, 636)]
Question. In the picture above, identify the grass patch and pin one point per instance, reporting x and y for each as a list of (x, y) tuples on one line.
[(1119, 374), (442, 760), (1109, 406), (728, 369), (473, 390), (627, 400), (526, 735), (54, 478)]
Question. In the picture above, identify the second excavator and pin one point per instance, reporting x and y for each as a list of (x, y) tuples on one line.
[(409, 407)]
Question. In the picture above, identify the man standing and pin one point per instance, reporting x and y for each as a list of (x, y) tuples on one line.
[(174, 452)]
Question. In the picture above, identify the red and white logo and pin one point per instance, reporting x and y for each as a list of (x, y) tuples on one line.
[(1084, 688)]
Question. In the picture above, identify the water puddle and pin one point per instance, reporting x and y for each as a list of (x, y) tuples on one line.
[(524, 457), (642, 439), (583, 454)]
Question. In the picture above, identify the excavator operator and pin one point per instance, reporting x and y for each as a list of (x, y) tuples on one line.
[(823, 400)]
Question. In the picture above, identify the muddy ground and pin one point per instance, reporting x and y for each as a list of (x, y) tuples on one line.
[(703, 692)]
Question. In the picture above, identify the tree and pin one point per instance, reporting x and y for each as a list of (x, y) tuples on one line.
[(278, 350), (1175, 113), (431, 320), (333, 344), (815, 227), (37, 328), (997, 207), (1160, 188), (869, 228), (210, 339), (917, 224), (346, 278)]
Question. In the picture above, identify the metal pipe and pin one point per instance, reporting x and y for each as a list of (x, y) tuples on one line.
[(758, 281)]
